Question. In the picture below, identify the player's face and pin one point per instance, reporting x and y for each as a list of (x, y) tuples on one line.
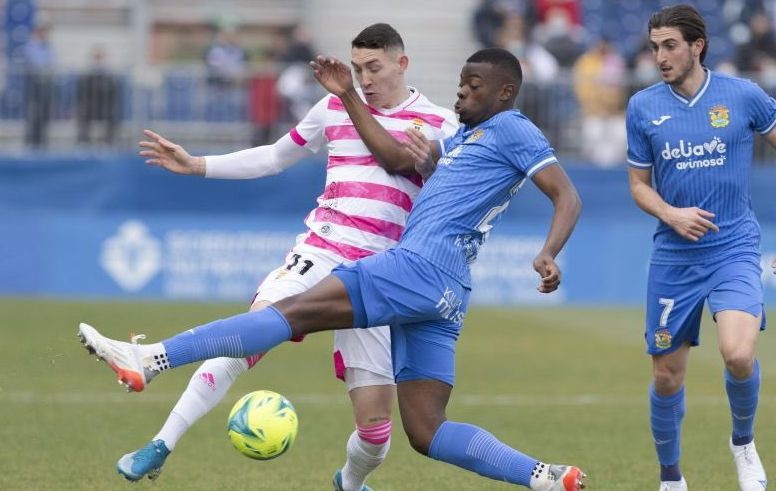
[(675, 58), (478, 93), (380, 74)]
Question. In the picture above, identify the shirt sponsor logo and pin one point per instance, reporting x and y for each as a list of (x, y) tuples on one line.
[(709, 154), (720, 116)]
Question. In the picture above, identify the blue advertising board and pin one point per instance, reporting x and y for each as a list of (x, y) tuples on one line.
[(110, 227)]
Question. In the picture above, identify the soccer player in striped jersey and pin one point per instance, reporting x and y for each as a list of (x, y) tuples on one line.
[(692, 134), (420, 287), (363, 210)]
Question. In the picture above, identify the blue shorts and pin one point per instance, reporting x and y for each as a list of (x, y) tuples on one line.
[(675, 296), (424, 307)]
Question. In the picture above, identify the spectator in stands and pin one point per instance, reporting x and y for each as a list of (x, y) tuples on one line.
[(539, 65), (758, 54), (296, 84), (600, 80), (97, 99), (487, 20), (546, 8), (225, 60), (226, 65), (38, 62), (642, 65), (540, 69), (561, 36)]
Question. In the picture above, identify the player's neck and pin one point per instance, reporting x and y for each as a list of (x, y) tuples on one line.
[(692, 83), (398, 97)]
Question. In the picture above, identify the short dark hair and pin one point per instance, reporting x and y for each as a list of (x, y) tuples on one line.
[(687, 19), (503, 60), (378, 36)]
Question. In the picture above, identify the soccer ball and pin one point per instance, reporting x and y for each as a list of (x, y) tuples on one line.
[(262, 425)]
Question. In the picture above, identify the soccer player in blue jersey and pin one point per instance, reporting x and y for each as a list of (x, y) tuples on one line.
[(692, 134), (421, 287)]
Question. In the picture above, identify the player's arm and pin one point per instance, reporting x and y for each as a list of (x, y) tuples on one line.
[(553, 182), (265, 160), (691, 223), (771, 138), (336, 77)]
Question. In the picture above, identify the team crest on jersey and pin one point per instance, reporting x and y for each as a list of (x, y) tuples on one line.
[(663, 338), (475, 136), (720, 116), (417, 123)]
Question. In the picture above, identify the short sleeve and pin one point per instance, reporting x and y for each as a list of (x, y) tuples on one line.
[(524, 146), (762, 109), (639, 148)]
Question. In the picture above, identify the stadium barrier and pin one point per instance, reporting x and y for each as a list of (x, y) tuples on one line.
[(108, 226)]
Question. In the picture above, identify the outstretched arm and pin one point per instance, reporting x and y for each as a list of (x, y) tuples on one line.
[(336, 77), (554, 183), (163, 153), (265, 160), (691, 223)]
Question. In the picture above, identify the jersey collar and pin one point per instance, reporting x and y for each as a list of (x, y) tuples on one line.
[(412, 97), (698, 95)]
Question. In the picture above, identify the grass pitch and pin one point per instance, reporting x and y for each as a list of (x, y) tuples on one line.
[(564, 385)]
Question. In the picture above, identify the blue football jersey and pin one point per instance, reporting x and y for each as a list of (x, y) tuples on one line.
[(480, 169), (700, 153)]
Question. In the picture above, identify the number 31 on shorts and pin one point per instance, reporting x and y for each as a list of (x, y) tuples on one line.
[(299, 265)]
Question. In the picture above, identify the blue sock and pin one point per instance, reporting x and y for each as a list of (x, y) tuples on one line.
[(476, 450), (666, 414), (235, 337), (743, 396)]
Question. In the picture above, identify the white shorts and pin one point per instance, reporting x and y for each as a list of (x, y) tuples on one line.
[(367, 349)]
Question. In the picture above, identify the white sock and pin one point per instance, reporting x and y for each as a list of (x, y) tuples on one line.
[(154, 358), (362, 458), (207, 387)]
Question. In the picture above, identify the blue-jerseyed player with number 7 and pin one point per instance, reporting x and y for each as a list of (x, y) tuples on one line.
[(421, 287), (692, 133)]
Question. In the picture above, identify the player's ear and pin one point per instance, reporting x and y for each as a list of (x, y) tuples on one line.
[(404, 62), (698, 46), (507, 92)]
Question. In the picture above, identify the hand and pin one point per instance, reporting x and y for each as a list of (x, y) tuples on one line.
[(691, 223), (420, 148), (773, 265), (332, 74), (166, 154), (548, 270)]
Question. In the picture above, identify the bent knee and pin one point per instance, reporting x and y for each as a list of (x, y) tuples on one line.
[(667, 382), (739, 363)]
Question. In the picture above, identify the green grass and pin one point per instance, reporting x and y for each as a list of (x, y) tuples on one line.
[(564, 385)]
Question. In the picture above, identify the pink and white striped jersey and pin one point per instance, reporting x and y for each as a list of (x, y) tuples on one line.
[(363, 208)]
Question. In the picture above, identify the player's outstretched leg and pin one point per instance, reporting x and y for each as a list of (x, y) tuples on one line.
[(206, 389), (133, 370), (235, 337), (475, 449), (422, 405)]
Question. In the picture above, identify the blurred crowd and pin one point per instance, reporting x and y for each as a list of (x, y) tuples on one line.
[(272, 91), (582, 59), (574, 72)]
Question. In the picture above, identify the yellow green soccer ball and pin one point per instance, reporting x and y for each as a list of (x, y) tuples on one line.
[(262, 425)]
